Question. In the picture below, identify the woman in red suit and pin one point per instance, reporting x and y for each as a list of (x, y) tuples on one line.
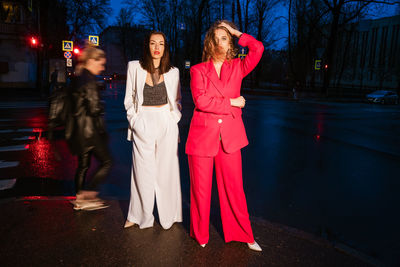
[(217, 134)]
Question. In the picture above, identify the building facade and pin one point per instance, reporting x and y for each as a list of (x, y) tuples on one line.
[(18, 61), (122, 44), (368, 55)]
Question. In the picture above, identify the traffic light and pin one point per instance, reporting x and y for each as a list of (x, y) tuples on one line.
[(77, 51), (33, 41)]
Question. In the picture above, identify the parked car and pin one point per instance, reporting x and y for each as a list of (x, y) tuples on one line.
[(383, 97), (107, 78)]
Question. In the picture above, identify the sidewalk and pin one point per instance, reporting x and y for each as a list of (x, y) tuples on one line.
[(48, 232)]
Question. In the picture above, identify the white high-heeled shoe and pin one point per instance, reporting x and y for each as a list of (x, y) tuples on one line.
[(254, 246), (203, 245), (128, 224)]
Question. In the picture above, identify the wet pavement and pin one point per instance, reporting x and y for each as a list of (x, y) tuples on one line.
[(328, 169), (48, 232)]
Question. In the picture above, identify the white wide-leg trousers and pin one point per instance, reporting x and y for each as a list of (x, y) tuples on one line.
[(155, 169)]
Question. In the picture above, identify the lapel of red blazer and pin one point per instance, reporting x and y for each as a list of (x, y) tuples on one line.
[(226, 73), (211, 73)]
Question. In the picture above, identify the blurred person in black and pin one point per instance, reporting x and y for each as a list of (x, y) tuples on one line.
[(89, 136), (53, 81)]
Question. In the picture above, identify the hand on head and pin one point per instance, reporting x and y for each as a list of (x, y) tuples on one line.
[(231, 30)]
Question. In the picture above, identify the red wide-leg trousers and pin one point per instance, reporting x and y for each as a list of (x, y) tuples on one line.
[(234, 214)]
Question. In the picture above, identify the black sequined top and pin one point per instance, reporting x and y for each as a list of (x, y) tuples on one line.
[(155, 95)]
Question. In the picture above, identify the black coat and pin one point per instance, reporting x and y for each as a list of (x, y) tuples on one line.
[(87, 111)]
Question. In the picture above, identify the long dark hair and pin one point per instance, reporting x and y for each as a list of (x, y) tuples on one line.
[(147, 61)]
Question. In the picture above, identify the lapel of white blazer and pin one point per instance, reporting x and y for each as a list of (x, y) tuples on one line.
[(141, 79), (168, 80)]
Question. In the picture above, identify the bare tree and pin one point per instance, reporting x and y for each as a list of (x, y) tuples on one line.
[(198, 31), (185, 22), (124, 23), (87, 16), (263, 10), (305, 28), (151, 11), (320, 23), (246, 15), (233, 11), (239, 13), (345, 40), (162, 15)]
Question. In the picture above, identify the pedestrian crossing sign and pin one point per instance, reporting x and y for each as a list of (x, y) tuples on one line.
[(317, 65), (67, 45), (242, 56), (187, 64), (94, 40)]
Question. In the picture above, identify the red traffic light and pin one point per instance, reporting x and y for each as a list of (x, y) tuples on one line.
[(77, 51), (326, 66), (34, 41)]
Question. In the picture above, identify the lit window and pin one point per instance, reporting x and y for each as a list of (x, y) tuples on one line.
[(10, 13)]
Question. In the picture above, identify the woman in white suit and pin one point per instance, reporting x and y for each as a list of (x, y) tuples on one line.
[(152, 102)]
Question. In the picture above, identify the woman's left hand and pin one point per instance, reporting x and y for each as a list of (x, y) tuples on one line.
[(239, 102)]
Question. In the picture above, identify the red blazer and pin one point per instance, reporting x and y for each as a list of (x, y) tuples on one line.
[(213, 116)]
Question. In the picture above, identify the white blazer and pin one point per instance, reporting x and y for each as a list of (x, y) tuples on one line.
[(135, 80)]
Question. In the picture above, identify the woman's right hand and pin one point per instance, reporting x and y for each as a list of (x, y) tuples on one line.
[(238, 102), (232, 31)]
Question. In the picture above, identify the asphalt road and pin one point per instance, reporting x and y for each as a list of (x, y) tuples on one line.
[(328, 168)]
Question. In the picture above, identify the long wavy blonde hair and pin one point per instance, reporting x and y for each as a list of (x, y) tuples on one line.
[(89, 52), (211, 49)]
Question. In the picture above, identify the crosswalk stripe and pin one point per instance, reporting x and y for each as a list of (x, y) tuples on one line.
[(17, 130), (25, 130), (7, 184), (23, 138), (13, 148), (8, 164)]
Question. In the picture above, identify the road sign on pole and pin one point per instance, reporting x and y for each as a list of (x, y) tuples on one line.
[(67, 54), (94, 39), (67, 45), (30, 5), (187, 64), (69, 62), (317, 65), (242, 55)]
